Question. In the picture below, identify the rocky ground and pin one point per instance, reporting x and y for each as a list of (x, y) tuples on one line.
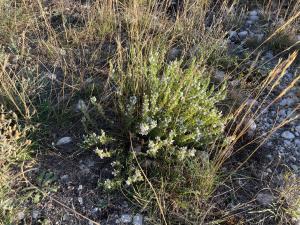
[(262, 178), (69, 178)]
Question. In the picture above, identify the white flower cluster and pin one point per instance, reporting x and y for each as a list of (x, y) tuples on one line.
[(147, 126), (93, 100), (102, 153), (154, 146), (94, 139), (137, 176), (184, 152), (110, 184), (116, 168)]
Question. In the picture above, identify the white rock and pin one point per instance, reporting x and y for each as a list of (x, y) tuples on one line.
[(251, 127), (288, 135), (126, 218), (21, 215), (243, 34), (64, 141), (80, 200), (51, 76), (253, 13), (265, 199), (235, 83), (95, 210), (64, 177), (137, 219)]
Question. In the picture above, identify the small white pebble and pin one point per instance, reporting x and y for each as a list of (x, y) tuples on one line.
[(64, 141), (126, 218), (80, 200)]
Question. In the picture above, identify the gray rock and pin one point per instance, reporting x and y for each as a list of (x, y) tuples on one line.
[(66, 217), (126, 218), (297, 142), (269, 55), (294, 167), (297, 128), (81, 106), (253, 13), (64, 178), (270, 157), (243, 34), (138, 219), (64, 141), (293, 159), (219, 75), (174, 54), (265, 199), (253, 18), (249, 22), (35, 214), (288, 135), (259, 37), (252, 102), (282, 113), (232, 35), (287, 102)]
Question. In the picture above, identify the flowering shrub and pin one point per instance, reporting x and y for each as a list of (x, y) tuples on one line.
[(170, 99), (169, 109)]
